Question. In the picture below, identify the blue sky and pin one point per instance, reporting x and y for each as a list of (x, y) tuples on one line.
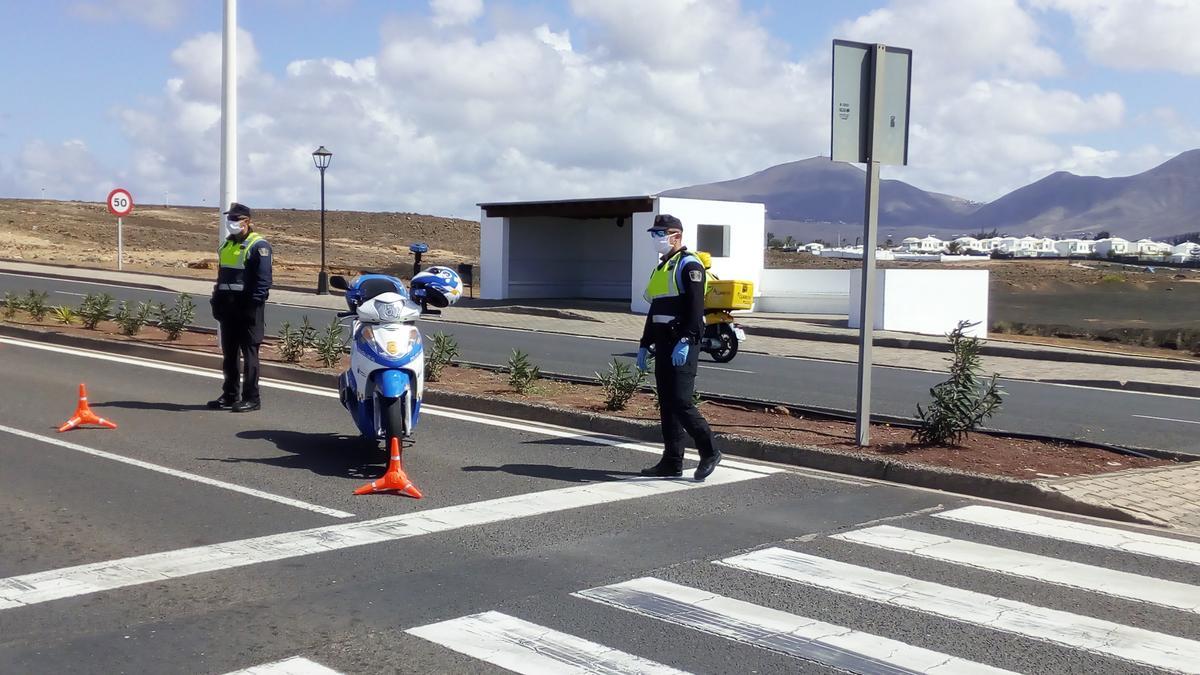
[(435, 105)]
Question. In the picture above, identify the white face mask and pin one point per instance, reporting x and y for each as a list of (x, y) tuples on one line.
[(663, 245), (232, 228)]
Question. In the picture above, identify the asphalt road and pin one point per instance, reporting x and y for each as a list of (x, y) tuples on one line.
[(1100, 415), (140, 550)]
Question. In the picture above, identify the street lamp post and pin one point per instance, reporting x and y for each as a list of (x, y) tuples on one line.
[(321, 158)]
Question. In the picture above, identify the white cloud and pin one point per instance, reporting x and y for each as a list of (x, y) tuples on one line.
[(66, 170), (158, 14), (455, 12), (441, 117), (1142, 35)]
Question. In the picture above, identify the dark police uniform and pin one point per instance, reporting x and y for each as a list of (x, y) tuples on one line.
[(676, 297), (238, 304)]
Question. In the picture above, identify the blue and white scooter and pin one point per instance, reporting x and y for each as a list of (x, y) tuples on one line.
[(382, 388)]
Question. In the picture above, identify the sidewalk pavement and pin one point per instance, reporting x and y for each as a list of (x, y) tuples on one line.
[(772, 334), (1166, 496)]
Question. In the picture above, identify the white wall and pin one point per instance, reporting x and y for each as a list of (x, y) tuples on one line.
[(805, 291), (493, 257), (747, 236), (930, 302), (568, 258)]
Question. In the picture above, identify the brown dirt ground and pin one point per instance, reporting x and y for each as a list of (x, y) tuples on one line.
[(182, 240), (980, 453)]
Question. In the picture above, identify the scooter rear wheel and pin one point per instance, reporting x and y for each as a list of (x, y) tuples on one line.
[(728, 345)]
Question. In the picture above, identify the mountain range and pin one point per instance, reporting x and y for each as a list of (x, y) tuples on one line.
[(817, 198)]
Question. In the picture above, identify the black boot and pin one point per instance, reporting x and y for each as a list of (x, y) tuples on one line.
[(707, 465), (663, 470), (246, 405), (225, 402)]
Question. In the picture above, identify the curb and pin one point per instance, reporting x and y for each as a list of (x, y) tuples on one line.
[(866, 466)]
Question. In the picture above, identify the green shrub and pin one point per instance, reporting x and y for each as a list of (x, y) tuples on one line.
[(442, 352), (963, 402), (94, 309), (307, 334), (522, 373), (329, 344), (1112, 279), (12, 304), (35, 304), (64, 315), (291, 346), (175, 320), (131, 321), (619, 383)]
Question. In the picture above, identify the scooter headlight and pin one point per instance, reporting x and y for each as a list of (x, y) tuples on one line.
[(395, 343)]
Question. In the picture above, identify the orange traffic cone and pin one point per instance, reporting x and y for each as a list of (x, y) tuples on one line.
[(393, 479), (84, 415)]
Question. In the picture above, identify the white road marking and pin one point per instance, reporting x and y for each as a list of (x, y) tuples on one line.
[(1080, 533), (29, 589), (80, 295), (1097, 636), (1166, 419), (177, 473), (502, 422), (731, 370), (530, 649), (89, 282), (297, 665), (1136, 587), (835, 646)]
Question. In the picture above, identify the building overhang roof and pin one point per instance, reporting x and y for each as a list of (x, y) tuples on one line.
[(611, 207)]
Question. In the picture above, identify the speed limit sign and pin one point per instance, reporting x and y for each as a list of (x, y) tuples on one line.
[(120, 202)]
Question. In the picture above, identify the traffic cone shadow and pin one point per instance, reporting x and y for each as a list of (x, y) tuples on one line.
[(394, 479), (84, 415)]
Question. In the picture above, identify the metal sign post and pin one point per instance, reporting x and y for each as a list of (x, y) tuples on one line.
[(120, 204), (871, 84)]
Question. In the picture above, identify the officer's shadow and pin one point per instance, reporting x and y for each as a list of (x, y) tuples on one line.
[(326, 454), (565, 474), (152, 405)]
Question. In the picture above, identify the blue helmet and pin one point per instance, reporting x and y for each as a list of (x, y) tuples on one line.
[(438, 286)]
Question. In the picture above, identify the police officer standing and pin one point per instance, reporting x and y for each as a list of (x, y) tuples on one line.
[(238, 304), (674, 327)]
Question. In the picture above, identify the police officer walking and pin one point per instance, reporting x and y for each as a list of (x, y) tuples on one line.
[(674, 327), (238, 304)]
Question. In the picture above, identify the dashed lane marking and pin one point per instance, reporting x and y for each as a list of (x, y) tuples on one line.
[(1166, 419), (297, 665)]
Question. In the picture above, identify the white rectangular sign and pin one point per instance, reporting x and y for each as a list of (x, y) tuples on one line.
[(852, 87)]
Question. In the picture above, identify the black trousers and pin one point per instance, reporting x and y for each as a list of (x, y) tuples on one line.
[(677, 411), (241, 333)]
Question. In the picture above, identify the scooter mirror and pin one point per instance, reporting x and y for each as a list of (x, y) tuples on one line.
[(338, 282)]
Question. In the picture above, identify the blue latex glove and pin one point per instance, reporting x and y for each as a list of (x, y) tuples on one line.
[(679, 354), (643, 354)]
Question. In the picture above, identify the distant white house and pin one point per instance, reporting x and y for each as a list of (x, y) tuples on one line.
[(931, 244), (968, 244), (1112, 246), (1186, 252), (813, 248), (1148, 248), (1074, 248)]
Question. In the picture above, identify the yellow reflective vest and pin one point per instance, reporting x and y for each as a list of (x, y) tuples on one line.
[(664, 280), (231, 275)]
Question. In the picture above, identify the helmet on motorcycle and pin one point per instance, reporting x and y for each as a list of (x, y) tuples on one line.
[(439, 286), (705, 259)]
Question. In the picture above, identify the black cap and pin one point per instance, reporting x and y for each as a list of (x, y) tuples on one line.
[(238, 211), (666, 221)]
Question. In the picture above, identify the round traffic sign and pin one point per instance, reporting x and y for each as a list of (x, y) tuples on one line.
[(120, 202)]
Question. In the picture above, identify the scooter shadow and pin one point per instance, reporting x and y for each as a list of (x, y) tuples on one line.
[(330, 454), (565, 474)]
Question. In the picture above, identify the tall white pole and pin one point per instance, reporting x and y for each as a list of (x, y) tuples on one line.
[(228, 112), (866, 308)]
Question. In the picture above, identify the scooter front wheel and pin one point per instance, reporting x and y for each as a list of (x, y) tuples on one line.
[(391, 413)]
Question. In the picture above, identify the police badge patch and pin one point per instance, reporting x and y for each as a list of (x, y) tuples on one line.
[(696, 275)]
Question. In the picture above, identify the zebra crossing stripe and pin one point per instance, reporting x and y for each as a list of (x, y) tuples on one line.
[(1079, 533), (38, 587), (1071, 630), (796, 636), (524, 647), (297, 665), (1030, 566)]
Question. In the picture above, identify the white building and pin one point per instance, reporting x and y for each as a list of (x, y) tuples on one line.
[(1112, 246), (1152, 249), (1186, 252), (1075, 248), (968, 244), (599, 249), (813, 248)]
